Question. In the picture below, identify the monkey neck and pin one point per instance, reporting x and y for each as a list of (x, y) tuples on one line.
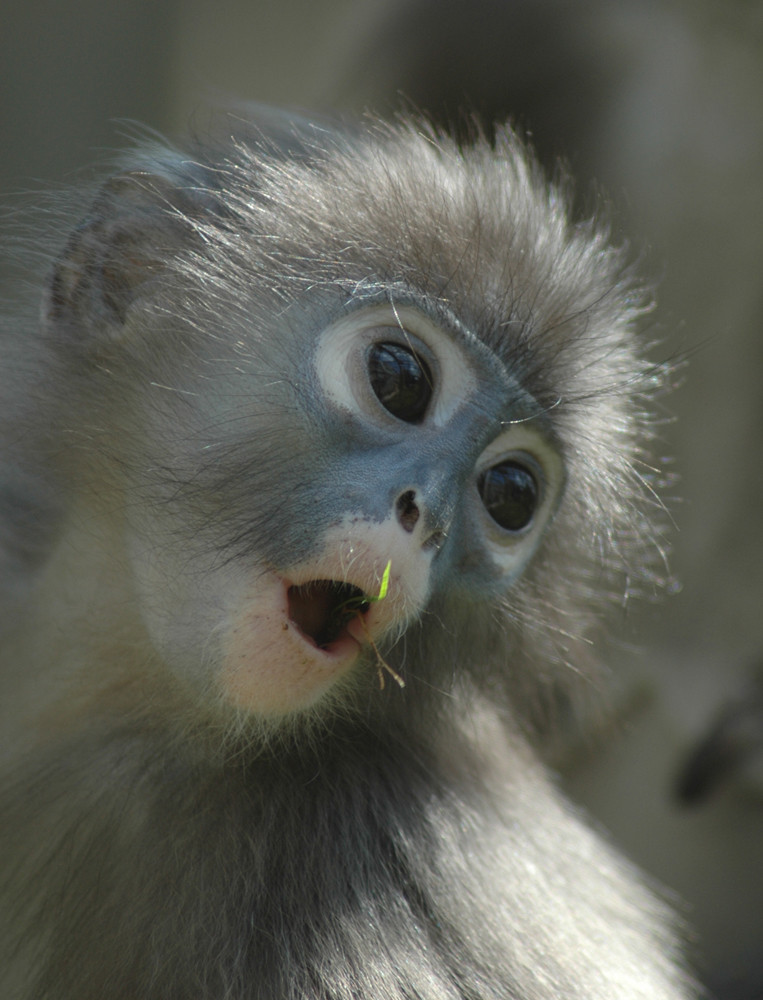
[(269, 862)]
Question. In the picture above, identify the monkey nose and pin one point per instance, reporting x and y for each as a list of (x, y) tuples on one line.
[(413, 517)]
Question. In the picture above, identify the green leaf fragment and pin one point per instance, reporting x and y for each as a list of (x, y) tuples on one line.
[(384, 583), (354, 606)]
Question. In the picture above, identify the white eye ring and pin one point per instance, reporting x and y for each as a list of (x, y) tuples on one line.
[(340, 357)]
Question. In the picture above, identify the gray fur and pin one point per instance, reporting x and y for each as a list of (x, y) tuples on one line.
[(388, 843)]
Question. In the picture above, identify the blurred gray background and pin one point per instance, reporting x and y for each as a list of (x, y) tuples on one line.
[(659, 103)]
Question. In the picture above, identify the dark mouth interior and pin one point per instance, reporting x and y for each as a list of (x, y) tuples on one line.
[(321, 608)]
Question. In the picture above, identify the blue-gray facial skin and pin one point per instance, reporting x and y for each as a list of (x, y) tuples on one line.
[(476, 415)]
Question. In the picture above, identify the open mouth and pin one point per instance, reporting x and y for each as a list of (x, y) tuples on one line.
[(321, 609)]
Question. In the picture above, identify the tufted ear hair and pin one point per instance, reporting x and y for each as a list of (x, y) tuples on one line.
[(138, 221), (144, 216)]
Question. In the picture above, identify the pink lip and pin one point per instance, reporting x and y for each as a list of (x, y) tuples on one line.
[(343, 648)]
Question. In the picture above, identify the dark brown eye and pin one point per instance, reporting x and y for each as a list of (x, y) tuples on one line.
[(401, 381), (510, 495)]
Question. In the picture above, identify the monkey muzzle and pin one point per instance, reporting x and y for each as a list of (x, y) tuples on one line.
[(300, 629)]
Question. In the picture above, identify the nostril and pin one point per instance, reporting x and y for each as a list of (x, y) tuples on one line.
[(407, 511), (435, 541)]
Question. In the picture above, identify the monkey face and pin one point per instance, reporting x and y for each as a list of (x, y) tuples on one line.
[(339, 410), (424, 469)]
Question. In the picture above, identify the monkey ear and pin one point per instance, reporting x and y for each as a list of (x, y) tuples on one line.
[(136, 223)]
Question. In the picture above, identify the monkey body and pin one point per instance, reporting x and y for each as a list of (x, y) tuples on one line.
[(277, 371), (376, 871)]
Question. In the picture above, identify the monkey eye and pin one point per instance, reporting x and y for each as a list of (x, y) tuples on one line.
[(401, 381), (509, 492)]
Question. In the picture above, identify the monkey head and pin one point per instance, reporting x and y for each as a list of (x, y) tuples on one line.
[(360, 400)]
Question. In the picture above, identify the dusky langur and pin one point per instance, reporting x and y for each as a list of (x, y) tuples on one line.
[(334, 438)]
